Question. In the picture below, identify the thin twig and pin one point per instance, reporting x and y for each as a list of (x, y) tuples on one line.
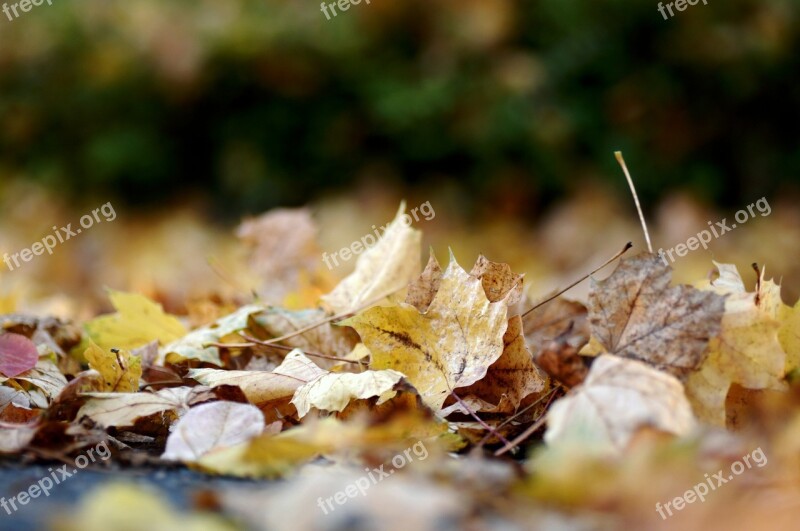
[(623, 251), (527, 433), (262, 343), (621, 161), (480, 420)]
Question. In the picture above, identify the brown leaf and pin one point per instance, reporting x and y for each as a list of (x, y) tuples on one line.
[(556, 332), (422, 290), (498, 281), (635, 314), (511, 378)]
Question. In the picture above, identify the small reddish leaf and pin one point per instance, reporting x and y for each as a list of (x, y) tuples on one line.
[(17, 354)]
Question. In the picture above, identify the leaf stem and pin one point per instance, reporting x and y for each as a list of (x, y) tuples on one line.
[(621, 160)]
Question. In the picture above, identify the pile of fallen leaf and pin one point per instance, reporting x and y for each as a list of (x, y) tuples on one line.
[(530, 413)]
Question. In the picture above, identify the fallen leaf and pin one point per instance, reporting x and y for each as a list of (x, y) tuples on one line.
[(423, 289), (499, 282), (138, 321), (119, 370), (212, 426), (511, 378), (46, 377), (196, 344), (261, 387), (333, 340), (333, 392), (635, 314), (747, 351), (282, 246), (122, 409), (451, 345), (619, 397), (381, 270), (15, 437), (17, 354)]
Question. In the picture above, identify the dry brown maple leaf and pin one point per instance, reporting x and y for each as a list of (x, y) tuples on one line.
[(511, 378), (555, 333), (635, 314)]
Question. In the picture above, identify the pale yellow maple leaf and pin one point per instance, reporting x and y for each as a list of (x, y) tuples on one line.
[(119, 370), (261, 387), (382, 269), (333, 392), (747, 350), (450, 345), (137, 322)]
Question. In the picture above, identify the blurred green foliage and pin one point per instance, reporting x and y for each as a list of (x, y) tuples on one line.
[(265, 102)]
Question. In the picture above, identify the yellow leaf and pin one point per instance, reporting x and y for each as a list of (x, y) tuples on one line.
[(261, 387), (332, 392), (451, 345), (137, 322), (747, 351), (119, 370)]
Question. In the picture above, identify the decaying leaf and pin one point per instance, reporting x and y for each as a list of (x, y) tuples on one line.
[(382, 269), (212, 426), (138, 321), (635, 314), (333, 392), (451, 345), (17, 354), (618, 397), (119, 370)]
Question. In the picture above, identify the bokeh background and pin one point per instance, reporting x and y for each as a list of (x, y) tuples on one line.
[(190, 115)]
